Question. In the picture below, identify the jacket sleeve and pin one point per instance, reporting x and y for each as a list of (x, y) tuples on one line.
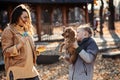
[(8, 47), (90, 53)]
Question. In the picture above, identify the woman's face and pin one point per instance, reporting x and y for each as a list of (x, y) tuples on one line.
[(23, 18)]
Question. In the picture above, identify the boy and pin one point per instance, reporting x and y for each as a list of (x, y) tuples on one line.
[(87, 50)]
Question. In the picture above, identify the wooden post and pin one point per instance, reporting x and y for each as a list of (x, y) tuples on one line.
[(9, 11), (38, 23), (51, 16), (64, 18)]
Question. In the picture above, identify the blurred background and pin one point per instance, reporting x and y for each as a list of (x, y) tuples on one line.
[(50, 17)]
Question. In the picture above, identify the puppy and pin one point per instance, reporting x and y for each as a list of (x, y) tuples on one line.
[(69, 35)]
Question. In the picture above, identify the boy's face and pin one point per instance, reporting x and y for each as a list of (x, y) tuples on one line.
[(81, 34)]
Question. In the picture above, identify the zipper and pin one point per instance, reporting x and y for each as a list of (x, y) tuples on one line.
[(73, 72), (85, 68)]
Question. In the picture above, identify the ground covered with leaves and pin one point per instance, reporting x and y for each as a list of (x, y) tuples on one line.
[(104, 69)]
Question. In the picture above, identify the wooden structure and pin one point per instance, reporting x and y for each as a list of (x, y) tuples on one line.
[(40, 5)]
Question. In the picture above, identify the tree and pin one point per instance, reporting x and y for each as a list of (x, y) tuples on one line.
[(101, 17), (111, 9)]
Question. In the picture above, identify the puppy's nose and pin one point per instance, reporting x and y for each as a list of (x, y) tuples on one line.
[(62, 34)]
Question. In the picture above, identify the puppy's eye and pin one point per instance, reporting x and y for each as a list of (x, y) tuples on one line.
[(66, 31)]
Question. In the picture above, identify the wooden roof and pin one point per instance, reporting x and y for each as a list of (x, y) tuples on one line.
[(48, 1)]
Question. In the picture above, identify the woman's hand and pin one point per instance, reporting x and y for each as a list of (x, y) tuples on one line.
[(23, 23), (22, 42)]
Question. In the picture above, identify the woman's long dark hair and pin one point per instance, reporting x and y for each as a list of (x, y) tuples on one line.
[(17, 12)]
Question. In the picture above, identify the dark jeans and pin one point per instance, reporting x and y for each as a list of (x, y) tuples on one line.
[(12, 77)]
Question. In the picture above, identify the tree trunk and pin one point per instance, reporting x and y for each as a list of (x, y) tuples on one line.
[(111, 8), (92, 14), (101, 17)]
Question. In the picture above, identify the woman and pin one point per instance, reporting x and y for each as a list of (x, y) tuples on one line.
[(18, 48), (86, 49)]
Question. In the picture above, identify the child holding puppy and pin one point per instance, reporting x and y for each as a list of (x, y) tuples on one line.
[(87, 50)]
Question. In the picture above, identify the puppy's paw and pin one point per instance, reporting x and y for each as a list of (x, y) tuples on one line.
[(61, 57), (60, 50)]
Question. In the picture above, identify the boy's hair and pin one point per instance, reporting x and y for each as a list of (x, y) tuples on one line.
[(87, 28)]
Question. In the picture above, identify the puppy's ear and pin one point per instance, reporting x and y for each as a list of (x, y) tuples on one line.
[(72, 33)]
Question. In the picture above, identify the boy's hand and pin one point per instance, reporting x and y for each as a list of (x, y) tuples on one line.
[(75, 44), (77, 47)]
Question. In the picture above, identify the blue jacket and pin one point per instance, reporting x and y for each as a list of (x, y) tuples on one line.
[(83, 67)]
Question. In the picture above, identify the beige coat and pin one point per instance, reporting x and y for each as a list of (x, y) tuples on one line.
[(10, 38)]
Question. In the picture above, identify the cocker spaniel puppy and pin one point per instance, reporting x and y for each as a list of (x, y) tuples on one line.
[(69, 35)]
